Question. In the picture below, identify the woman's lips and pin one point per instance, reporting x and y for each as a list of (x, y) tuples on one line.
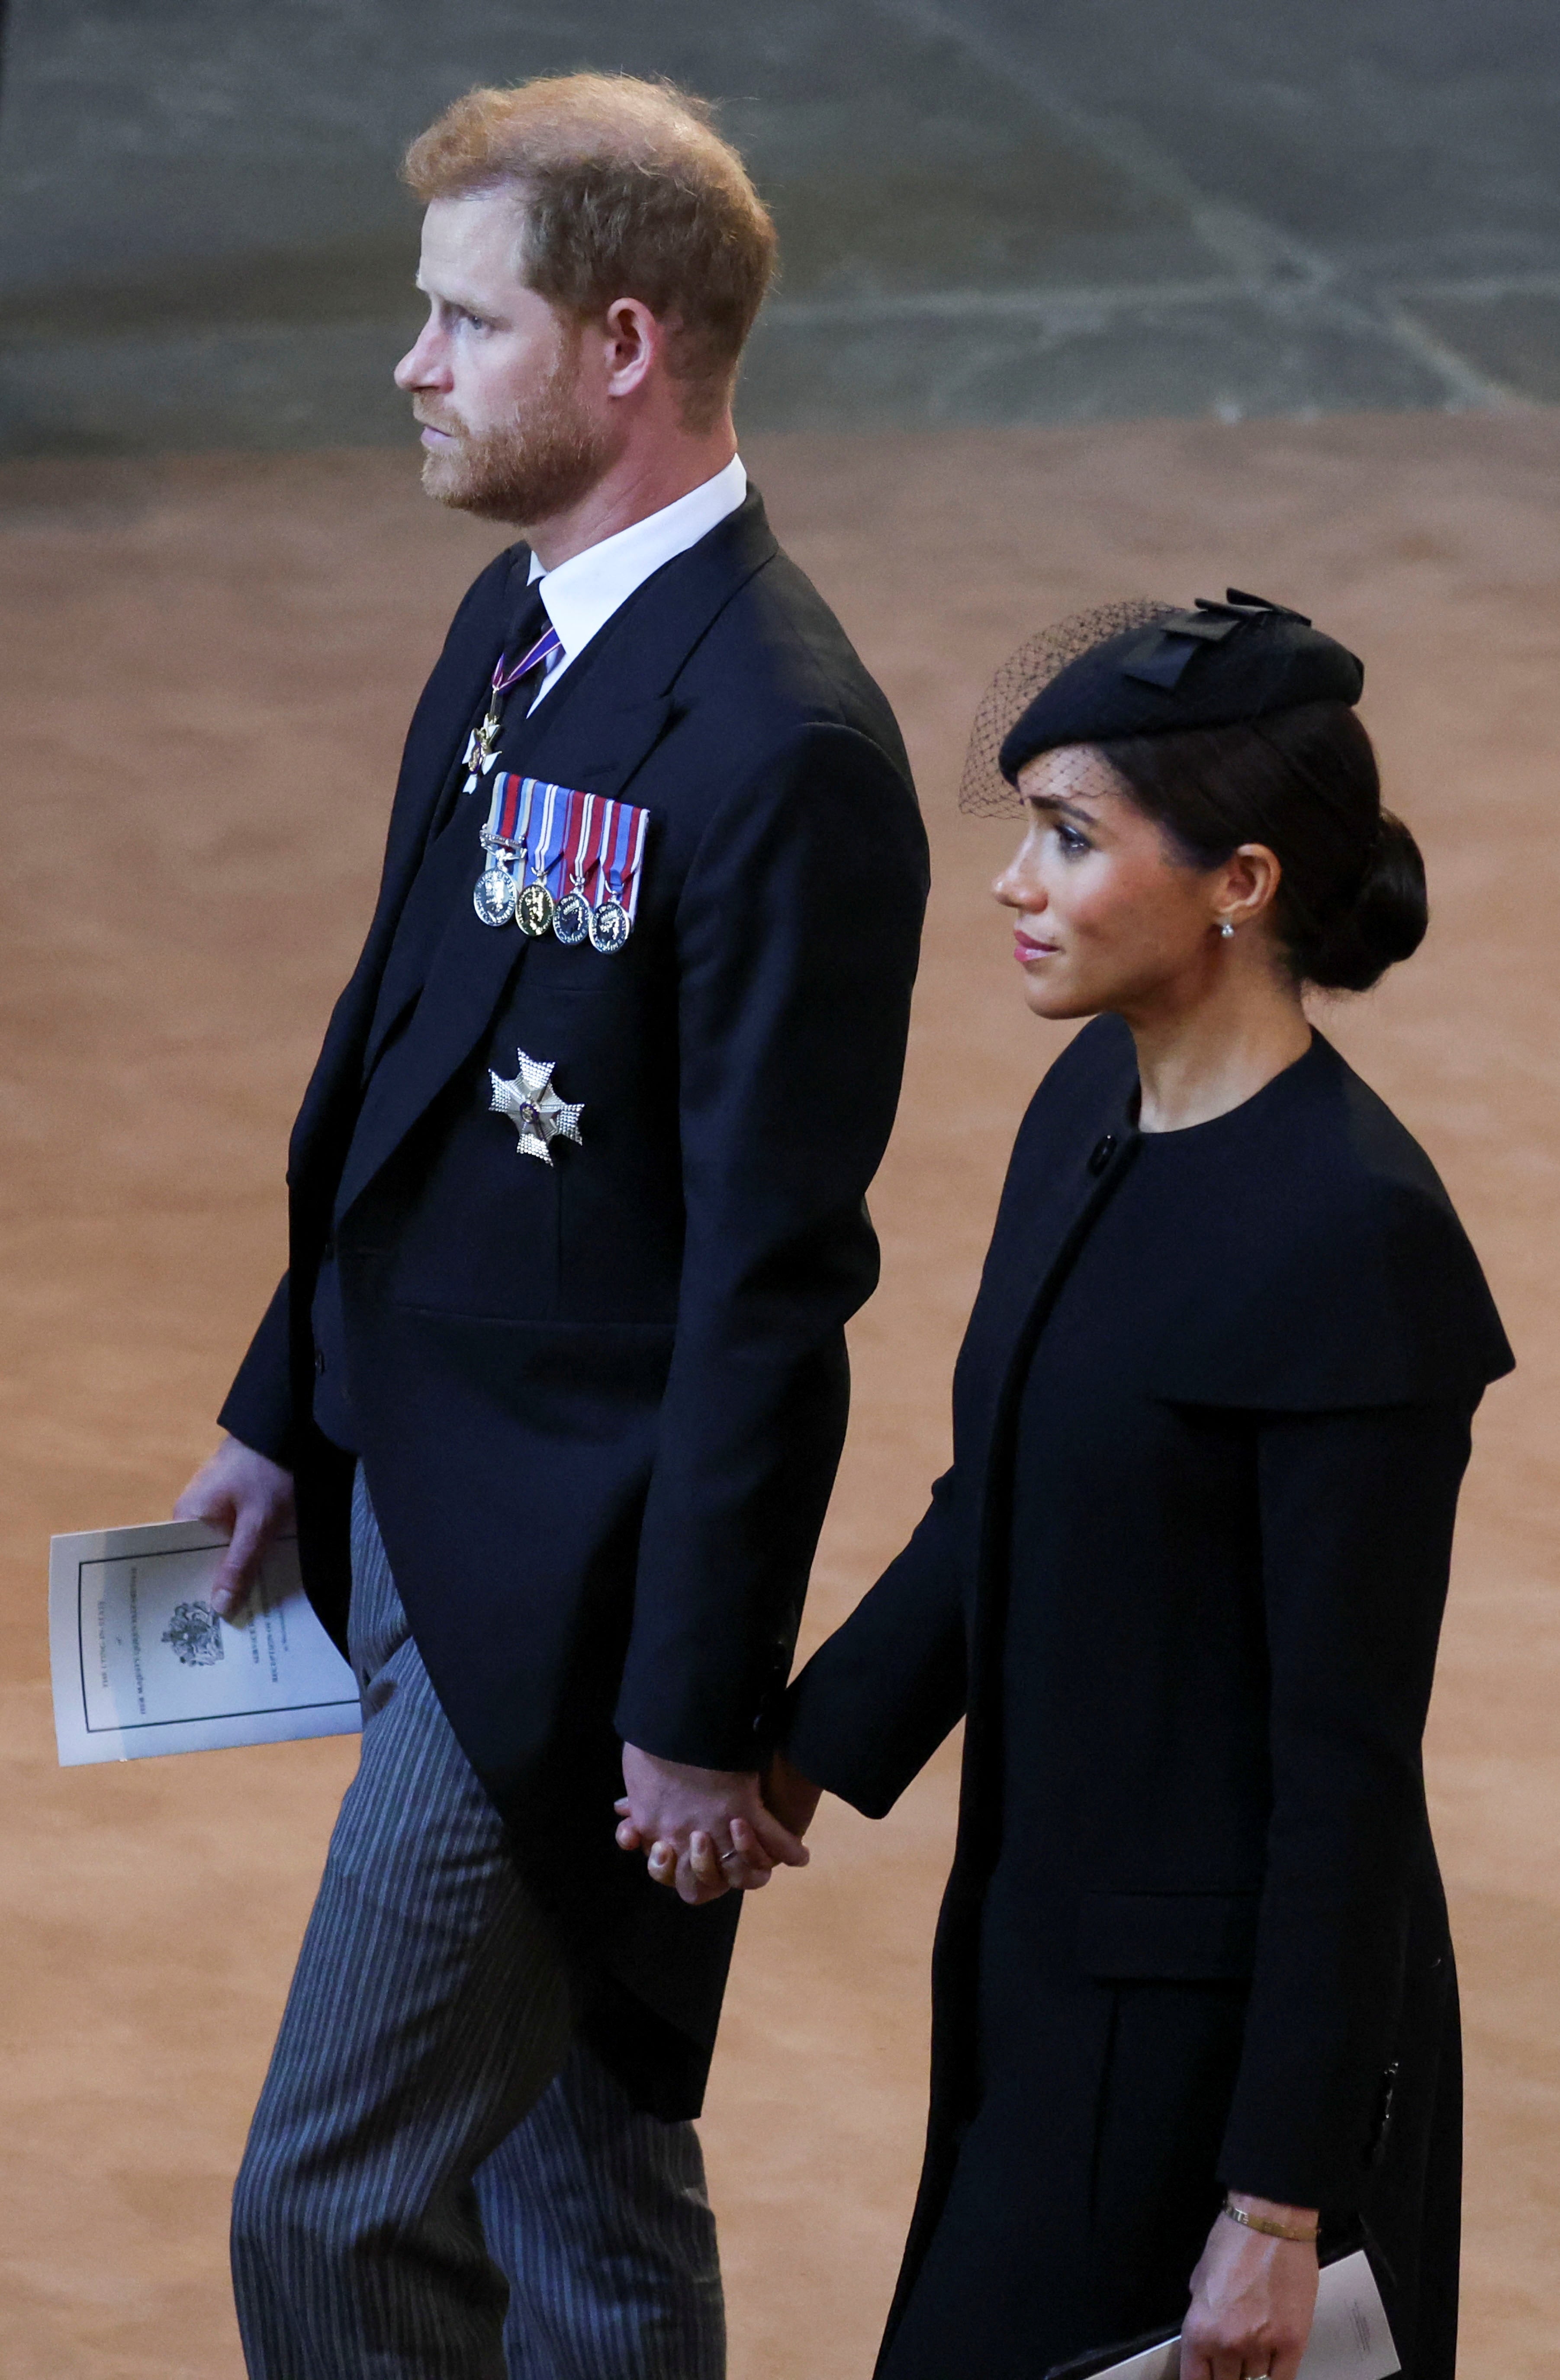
[(1024, 949)]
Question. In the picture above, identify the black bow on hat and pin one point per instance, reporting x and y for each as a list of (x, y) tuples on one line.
[(1217, 665)]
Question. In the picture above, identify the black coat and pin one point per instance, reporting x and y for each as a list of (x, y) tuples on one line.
[(599, 1405), (1185, 1576)]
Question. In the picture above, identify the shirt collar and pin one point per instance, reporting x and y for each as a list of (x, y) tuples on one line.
[(582, 593)]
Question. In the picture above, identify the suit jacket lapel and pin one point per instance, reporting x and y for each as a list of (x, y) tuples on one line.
[(611, 709), (434, 744)]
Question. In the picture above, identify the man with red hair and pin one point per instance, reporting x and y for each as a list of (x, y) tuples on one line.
[(556, 1378)]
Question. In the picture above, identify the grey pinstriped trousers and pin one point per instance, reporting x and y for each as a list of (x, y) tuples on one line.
[(440, 2184)]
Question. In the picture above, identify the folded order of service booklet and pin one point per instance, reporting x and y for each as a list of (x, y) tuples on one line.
[(141, 1664), (1349, 2339)]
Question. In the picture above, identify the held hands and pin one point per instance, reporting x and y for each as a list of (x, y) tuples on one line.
[(709, 1831), (251, 1500), (1253, 2298)]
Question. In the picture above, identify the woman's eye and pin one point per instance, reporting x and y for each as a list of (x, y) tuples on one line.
[(1073, 843)]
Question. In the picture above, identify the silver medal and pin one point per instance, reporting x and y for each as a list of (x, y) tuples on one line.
[(571, 918), (610, 926), (493, 899)]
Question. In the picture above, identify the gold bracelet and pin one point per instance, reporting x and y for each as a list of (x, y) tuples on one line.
[(1272, 2231)]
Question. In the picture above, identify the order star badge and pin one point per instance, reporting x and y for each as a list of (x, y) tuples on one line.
[(535, 1108)]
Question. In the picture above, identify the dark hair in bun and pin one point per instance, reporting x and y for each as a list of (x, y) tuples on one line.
[(1352, 900)]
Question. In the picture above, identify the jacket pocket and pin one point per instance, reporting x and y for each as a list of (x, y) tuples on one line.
[(1168, 1937)]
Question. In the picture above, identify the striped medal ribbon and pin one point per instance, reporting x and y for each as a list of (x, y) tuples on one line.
[(620, 860), (571, 918), (504, 839), (533, 904)]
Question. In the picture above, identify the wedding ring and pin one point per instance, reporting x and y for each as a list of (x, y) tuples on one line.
[(733, 1854)]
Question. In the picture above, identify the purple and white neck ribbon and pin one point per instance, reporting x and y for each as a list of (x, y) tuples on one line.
[(548, 643), (481, 746)]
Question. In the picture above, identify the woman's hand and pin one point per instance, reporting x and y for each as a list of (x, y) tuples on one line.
[(704, 1872), (704, 1832), (1253, 2298), (792, 1797)]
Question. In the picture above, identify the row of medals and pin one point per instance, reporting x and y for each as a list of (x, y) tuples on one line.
[(499, 896)]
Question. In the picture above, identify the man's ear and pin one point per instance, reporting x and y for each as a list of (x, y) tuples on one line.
[(634, 344)]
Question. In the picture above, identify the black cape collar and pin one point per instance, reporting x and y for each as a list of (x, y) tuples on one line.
[(1327, 1268)]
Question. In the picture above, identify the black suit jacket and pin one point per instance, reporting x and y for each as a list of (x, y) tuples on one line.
[(600, 1403), (1241, 1654)]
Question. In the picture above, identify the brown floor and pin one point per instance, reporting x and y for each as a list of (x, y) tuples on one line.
[(209, 664)]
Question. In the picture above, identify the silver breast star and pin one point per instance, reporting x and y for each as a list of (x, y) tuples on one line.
[(535, 1108)]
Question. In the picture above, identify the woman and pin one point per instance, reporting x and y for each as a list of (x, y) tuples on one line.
[(1193, 1983)]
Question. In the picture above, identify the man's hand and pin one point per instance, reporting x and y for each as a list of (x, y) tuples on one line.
[(251, 1500), (1253, 2298), (706, 1829)]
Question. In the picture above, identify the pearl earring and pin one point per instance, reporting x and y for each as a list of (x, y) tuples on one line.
[(1226, 931)]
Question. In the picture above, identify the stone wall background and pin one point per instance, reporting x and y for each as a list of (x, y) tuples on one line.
[(992, 211)]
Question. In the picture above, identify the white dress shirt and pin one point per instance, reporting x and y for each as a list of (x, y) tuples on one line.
[(582, 593)]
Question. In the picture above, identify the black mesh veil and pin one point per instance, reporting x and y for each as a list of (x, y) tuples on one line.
[(985, 790)]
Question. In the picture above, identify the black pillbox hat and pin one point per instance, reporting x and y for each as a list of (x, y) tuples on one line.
[(1217, 665)]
